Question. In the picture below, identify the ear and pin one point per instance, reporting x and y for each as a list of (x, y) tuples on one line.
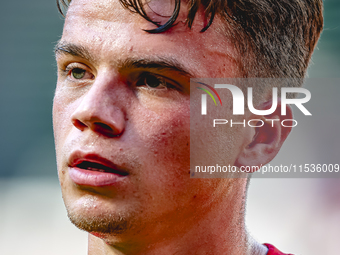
[(268, 138)]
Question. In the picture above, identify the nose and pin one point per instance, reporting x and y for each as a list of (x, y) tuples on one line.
[(100, 112)]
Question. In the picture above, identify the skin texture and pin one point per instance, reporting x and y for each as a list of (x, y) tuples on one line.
[(156, 208)]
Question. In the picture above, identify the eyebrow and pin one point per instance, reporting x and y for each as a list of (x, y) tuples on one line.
[(155, 63), (160, 64), (72, 49)]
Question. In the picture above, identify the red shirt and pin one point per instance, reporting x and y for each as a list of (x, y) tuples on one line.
[(273, 251)]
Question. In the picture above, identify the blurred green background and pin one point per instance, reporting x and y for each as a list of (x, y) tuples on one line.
[(29, 30)]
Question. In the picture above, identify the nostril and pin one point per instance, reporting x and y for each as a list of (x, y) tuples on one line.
[(105, 129), (103, 126), (78, 124)]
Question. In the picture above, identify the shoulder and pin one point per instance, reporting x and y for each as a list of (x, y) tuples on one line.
[(273, 251)]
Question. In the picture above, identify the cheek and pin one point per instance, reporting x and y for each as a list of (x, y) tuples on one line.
[(62, 125), (165, 138), (59, 118), (170, 141), (64, 104), (58, 132)]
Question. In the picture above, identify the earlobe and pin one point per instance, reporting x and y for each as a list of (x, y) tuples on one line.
[(268, 138)]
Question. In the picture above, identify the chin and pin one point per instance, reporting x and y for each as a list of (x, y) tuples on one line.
[(91, 214), (90, 220)]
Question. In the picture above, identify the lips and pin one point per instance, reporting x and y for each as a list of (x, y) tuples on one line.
[(92, 166), (94, 170)]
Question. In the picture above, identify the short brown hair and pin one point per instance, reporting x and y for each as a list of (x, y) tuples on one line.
[(275, 38)]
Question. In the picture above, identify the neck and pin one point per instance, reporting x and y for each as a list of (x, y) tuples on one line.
[(220, 230)]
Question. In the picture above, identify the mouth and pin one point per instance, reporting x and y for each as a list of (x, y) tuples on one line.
[(94, 170), (98, 167)]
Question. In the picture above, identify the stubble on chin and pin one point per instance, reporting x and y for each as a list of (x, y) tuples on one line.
[(111, 223)]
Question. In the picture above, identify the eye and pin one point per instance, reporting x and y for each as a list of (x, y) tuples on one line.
[(153, 81), (78, 73)]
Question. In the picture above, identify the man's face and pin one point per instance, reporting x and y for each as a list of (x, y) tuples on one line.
[(121, 118)]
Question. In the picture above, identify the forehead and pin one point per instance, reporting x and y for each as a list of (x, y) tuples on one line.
[(111, 32)]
